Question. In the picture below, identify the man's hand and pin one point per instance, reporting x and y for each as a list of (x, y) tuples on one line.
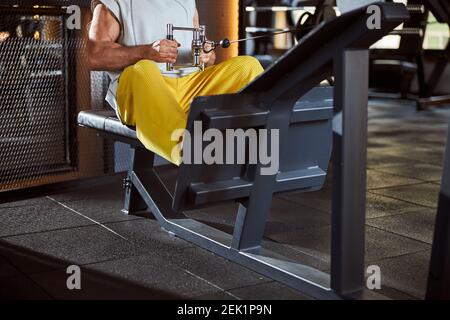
[(163, 51), (105, 54), (208, 58)]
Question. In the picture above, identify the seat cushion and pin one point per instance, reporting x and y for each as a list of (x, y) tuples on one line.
[(105, 121)]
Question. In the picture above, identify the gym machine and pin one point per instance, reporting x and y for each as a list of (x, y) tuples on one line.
[(198, 43), (284, 97)]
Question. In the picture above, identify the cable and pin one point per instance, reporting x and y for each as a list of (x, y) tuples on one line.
[(226, 43)]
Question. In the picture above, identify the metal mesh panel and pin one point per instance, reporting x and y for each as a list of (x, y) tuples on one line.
[(44, 83)]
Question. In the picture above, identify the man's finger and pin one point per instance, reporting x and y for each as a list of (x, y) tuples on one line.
[(171, 43), (169, 56), (172, 51)]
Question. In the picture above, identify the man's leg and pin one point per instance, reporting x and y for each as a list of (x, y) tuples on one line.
[(146, 100), (227, 77)]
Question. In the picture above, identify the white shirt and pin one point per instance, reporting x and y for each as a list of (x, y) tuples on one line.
[(144, 22), (349, 5)]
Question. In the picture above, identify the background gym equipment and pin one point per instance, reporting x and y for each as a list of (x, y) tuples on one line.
[(410, 71), (397, 70), (324, 11), (43, 86), (282, 98)]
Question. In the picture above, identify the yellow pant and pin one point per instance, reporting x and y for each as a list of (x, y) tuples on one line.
[(158, 105)]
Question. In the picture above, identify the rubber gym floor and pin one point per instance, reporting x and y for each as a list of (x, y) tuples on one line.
[(130, 257)]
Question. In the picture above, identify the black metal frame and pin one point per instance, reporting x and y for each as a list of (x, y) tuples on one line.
[(439, 273), (339, 48)]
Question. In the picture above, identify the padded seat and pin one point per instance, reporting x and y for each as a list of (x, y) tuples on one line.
[(106, 121)]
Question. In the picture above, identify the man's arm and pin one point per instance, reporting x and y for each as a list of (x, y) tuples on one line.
[(105, 54), (208, 58)]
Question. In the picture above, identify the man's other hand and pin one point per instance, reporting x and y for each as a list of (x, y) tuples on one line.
[(208, 58), (163, 51)]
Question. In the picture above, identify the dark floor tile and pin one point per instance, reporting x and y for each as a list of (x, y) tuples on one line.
[(198, 261), (149, 236), (24, 203), (295, 254), (221, 295), (76, 246), (21, 288), (425, 194), (157, 273), (379, 244), (420, 155), (107, 285), (214, 269), (297, 215), (29, 261), (320, 200), (394, 294), (432, 142), (377, 205), (269, 291), (375, 160), (396, 133), (417, 225), (222, 214), (380, 206), (379, 143), (284, 216), (43, 217), (422, 171), (377, 180), (424, 146), (392, 106), (419, 137), (406, 273), (104, 189), (100, 210)]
